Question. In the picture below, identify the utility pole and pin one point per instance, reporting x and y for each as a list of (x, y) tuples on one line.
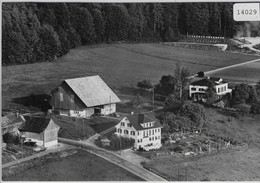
[(178, 171), (186, 171), (120, 140), (83, 128), (153, 97)]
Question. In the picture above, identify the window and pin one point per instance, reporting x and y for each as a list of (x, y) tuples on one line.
[(155, 138), (126, 131), (132, 133), (149, 132), (150, 138), (138, 133), (119, 130), (218, 90), (153, 132), (128, 124), (193, 89), (201, 89), (122, 124), (159, 130), (61, 97), (72, 98)]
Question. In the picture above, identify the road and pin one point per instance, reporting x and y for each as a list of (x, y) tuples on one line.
[(114, 157)]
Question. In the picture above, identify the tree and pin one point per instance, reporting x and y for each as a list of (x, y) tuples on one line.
[(179, 123), (182, 79), (166, 85), (82, 21), (145, 84), (195, 112), (173, 104)]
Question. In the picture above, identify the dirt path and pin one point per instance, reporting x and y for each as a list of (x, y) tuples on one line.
[(231, 66), (115, 158)]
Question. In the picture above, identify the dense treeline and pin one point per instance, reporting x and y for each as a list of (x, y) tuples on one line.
[(39, 32)]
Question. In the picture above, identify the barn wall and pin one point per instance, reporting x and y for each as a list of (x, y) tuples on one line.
[(70, 99), (108, 109), (30, 135)]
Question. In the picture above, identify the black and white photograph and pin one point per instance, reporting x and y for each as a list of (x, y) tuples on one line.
[(130, 91)]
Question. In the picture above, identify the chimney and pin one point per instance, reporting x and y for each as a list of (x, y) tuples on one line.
[(208, 77), (140, 118)]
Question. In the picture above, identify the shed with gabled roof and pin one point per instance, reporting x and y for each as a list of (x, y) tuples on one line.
[(41, 130), (84, 97)]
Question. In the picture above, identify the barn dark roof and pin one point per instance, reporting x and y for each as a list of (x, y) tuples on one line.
[(34, 124), (137, 119)]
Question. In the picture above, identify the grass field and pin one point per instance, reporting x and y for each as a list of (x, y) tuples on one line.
[(236, 165), (118, 64), (81, 166)]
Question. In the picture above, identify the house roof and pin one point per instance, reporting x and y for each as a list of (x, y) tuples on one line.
[(208, 82), (11, 120), (34, 124), (136, 120), (92, 90)]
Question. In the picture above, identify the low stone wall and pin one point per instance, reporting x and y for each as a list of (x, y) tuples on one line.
[(199, 46)]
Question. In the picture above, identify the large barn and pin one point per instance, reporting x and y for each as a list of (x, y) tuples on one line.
[(41, 130), (83, 97)]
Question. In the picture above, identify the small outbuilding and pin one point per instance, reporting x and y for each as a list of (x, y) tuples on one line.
[(41, 130)]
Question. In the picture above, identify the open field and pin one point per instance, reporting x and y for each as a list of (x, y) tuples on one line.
[(81, 166), (118, 64), (233, 165)]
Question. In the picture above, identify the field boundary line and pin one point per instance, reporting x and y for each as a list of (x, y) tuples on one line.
[(231, 66)]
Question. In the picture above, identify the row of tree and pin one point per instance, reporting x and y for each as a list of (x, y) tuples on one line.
[(39, 32)]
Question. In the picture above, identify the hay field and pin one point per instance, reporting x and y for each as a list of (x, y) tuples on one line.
[(118, 64)]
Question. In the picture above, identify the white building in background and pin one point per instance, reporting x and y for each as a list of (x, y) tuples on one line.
[(198, 89), (145, 129)]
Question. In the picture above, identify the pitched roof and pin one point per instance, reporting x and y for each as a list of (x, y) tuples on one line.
[(136, 120), (34, 124), (204, 82), (92, 90), (208, 81), (11, 120)]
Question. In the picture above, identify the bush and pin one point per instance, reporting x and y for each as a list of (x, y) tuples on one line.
[(244, 108), (10, 138), (255, 109), (178, 149), (116, 143)]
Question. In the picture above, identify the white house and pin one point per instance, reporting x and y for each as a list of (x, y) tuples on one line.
[(145, 129), (198, 89), (83, 97), (41, 130)]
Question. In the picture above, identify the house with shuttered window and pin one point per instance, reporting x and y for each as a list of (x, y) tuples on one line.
[(145, 129)]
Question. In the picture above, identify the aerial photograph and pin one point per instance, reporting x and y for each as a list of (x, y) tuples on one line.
[(144, 91)]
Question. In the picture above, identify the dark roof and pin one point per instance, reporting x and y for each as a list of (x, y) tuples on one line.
[(11, 120), (34, 124), (206, 81), (137, 119)]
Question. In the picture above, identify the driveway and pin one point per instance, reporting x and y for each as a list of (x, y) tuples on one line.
[(130, 156)]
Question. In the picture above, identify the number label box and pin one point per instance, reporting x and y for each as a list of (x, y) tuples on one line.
[(246, 12)]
